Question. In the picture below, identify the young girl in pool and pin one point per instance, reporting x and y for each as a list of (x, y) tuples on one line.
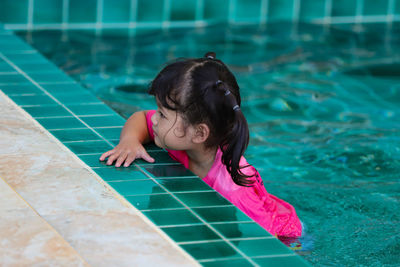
[(200, 123)]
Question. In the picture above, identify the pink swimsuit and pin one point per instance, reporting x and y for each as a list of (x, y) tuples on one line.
[(275, 215)]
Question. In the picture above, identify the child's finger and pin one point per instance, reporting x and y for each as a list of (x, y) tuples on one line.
[(121, 159), (106, 154), (129, 160), (147, 157), (113, 157)]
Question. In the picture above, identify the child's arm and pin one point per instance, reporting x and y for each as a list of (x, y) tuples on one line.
[(130, 147)]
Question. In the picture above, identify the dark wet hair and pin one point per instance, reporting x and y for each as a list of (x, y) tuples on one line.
[(203, 90)]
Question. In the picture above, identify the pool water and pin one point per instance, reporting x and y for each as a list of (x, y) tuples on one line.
[(323, 105)]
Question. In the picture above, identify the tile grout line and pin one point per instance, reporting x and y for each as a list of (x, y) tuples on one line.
[(231, 239), (253, 257)]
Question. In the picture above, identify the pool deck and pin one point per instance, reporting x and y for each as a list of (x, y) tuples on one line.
[(57, 212)]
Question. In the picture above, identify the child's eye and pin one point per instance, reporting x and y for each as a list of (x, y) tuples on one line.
[(161, 114)]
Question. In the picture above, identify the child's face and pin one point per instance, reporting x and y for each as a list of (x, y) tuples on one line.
[(169, 130)]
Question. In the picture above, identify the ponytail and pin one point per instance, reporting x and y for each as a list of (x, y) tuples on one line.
[(236, 141)]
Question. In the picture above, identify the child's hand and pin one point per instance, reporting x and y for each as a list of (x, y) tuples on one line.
[(126, 152)]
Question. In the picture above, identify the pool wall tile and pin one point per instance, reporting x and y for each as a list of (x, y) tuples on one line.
[(150, 11), (82, 11), (311, 9), (247, 10), (218, 12), (183, 10), (14, 11), (50, 11), (169, 195), (113, 16), (343, 8), (116, 11), (374, 8)]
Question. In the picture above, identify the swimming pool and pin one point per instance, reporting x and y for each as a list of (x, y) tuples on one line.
[(323, 107)]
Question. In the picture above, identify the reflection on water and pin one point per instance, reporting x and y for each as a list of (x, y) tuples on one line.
[(323, 105)]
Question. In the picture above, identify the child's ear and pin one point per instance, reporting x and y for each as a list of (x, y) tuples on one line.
[(201, 133)]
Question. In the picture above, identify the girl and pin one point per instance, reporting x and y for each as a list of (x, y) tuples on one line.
[(200, 124)]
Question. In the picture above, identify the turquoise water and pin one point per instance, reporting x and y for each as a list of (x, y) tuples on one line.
[(323, 106)]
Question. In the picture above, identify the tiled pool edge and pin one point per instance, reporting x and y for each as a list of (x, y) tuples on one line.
[(145, 181), (90, 209)]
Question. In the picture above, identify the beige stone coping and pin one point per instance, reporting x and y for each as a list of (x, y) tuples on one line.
[(55, 211)]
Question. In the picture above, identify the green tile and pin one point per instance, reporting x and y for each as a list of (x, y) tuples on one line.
[(104, 121), (227, 263), (191, 233), (159, 157), (20, 58), (171, 217), (50, 77), (47, 111), (60, 123), (152, 202), (5, 67), (14, 11), (13, 78), (34, 67), (88, 147), (152, 147), (138, 187), (222, 214), (112, 173), (247, 10), (213, 11), (75, 135), (47, 11), (116, 11), (56, 89), (198, 199), (33, 100), (288, 261), (280, 9), (150, 10), (89, 109), (109, 133), (241, 230), (344, 8), (183, 10), (261, 247), (79, 98), (11, 39), (184, 184), (20, 89), (310, 9), (397, 8), (115, 142), (82, 11), (373, 8), (161, 171), (93, 160), (211, 250), (12, 47)]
